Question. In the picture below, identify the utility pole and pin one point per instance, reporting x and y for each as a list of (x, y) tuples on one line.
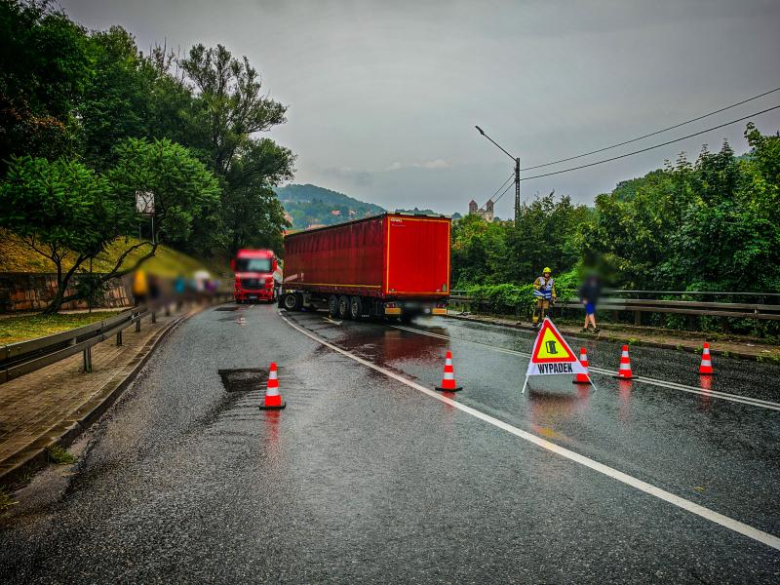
[(517, 190), (517, 172)]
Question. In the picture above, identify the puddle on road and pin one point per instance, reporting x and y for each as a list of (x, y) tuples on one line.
[(244, 380)]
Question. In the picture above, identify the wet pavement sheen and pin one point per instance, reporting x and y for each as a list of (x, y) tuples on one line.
[(362, 479)]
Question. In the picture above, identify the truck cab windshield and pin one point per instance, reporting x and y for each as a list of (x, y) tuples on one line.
[(253, 265)]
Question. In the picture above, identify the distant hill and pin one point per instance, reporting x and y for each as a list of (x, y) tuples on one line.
[(309, 205), (426, 212)]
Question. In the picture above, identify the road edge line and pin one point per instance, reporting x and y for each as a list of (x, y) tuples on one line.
[(735, 525)]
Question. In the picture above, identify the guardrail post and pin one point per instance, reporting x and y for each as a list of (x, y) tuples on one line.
[(637, 317), (154, 316), (88, 360), (119, 338), (167, 309), (138, 323)]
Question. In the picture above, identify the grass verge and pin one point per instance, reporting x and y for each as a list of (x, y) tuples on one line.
[(24, 327), (60, 456)]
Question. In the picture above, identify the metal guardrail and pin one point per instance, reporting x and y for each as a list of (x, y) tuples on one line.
[(704, 293), (18, 359), (694, 308)]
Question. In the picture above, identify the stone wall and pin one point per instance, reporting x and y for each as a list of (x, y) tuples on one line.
[(25, 291)]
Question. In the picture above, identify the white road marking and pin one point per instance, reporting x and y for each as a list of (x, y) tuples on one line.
[(329, 320), (735, 525), (651, 381)]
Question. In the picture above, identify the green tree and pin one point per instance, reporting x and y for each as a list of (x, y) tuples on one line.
[(44, 68), (118, 99), (185, 191), (229, 110), (762, 171), (711, 225), (253, 214), (546, 234), (69, 214), (61, 210), (478, 252)]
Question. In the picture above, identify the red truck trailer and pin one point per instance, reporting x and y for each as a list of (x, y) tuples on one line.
[(388, 265), (255, 276)]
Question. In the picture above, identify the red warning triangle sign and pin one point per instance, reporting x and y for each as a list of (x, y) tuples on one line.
[(550, 348)]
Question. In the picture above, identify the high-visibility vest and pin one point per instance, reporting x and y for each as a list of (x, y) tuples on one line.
[(140, 286), (544, 289)]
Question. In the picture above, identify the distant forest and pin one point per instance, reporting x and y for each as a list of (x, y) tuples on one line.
[(708, 225)]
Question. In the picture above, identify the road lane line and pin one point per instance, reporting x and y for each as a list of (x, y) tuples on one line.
[(692, 507), (650, 381)]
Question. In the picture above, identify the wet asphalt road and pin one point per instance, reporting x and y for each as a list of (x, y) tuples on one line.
[(362, 479)]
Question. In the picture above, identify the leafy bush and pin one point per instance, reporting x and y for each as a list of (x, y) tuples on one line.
[(510, 299)]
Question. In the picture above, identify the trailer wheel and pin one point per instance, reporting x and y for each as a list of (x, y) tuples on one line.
[(292, 302), (356, 308), (333, 306), (344, 307)]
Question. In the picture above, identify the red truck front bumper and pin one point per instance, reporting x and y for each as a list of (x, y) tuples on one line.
[(243, 295)]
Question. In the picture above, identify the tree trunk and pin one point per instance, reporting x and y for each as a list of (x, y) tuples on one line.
[(62, 285), (56, 303)]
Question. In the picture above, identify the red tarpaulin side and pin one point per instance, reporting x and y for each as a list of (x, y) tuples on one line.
[(388, 256), (346, 257)]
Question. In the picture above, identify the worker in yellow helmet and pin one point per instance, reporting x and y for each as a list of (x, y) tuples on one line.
[(544, 292)]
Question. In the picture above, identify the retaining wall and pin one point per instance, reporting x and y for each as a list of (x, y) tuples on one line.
[(25, 291)]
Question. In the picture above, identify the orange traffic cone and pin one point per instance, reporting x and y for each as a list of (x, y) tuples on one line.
[(706, 361), (448, 380), (583, 378), (273, 400), (624, 372)]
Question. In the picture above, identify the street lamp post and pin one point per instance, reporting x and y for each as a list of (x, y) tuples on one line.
[(516, 159)]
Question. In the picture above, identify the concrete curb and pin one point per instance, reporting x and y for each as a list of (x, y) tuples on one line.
[(34, 455), (617, 337)]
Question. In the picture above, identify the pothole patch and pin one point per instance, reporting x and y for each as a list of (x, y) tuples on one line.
[(244, 380), (226, 309)]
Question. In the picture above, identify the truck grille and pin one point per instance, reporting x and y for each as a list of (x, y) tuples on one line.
[(253, 283)]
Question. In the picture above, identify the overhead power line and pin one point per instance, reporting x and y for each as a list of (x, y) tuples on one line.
[(505, 190), (512, 176), (555, 162), (606, 160)]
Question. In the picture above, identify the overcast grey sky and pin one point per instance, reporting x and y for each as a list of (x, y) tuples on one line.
[(383, 96)]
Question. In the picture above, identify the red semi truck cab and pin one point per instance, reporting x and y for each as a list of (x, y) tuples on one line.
[(255, 276), (391, 265)]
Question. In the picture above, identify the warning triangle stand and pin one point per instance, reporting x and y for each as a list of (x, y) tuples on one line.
[(551, 355)]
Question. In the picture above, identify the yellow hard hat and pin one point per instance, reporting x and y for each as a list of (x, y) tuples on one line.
[(546, 269)]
